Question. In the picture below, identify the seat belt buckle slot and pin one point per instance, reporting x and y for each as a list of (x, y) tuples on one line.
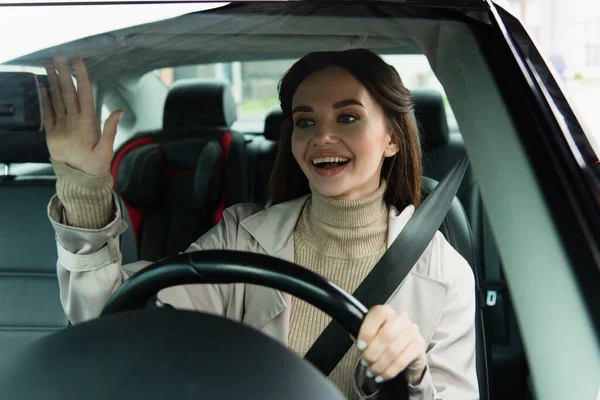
[(491, 298)]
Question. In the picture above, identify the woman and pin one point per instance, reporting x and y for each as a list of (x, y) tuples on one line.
[(346, 180)]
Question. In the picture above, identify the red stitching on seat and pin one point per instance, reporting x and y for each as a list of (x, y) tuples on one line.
[(226, 144)]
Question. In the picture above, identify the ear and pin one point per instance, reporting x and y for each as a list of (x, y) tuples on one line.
[(391, 148)]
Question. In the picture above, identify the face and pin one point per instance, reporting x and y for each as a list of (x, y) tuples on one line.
[(341, 135)]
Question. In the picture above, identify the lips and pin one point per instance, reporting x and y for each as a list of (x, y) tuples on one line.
[(330, 166), (331, 170), (328, 163)]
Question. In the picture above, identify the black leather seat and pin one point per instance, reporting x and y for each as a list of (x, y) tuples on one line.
[(176, 182), (29, 295), (261, 157), (457, 231), (442, 149)]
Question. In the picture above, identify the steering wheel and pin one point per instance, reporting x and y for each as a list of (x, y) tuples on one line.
[(167, 353)]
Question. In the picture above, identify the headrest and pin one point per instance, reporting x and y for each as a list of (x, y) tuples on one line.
[(23, 147), (194, 102), (431, 116), (273, 123)]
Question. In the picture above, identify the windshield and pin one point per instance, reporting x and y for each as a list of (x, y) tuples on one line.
[(134, 165)]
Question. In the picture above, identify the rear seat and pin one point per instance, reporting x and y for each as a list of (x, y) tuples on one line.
[(261, 157), (176, 182), (29, 295)]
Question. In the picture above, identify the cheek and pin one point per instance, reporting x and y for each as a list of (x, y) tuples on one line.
[(371, 142), (298, 144)]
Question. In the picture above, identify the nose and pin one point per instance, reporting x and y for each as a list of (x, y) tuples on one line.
[(323, 135)]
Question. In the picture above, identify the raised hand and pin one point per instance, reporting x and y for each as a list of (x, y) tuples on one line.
[(72, 130)]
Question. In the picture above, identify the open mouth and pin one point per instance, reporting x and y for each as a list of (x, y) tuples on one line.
[(330, 162)]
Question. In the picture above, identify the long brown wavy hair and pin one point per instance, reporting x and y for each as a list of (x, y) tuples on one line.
[(403, 172)]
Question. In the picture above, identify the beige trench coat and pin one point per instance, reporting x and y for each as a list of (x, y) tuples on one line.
[(438, 294)]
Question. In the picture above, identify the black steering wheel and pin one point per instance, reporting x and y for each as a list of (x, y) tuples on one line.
[(133, 350)]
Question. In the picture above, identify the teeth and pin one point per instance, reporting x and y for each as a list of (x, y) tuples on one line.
[(329, 159)]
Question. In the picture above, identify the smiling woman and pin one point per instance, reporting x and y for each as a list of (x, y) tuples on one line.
[(347, 180), (346, 141), (354, 106)]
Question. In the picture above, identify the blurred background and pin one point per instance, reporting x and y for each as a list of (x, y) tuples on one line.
[(568, 35)]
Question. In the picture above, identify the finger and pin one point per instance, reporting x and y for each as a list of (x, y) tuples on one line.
[(374, 319), (47, 112), (390, 342), (376, 355), (84, 89), (55, 93), (107, 139), (410, 354), (66, 84)]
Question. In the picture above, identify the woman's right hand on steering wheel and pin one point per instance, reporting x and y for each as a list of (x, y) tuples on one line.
[(72, 130)]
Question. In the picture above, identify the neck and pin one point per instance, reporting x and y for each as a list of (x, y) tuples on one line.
[(346, 228)]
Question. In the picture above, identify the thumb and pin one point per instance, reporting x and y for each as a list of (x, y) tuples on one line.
[(110, 129)]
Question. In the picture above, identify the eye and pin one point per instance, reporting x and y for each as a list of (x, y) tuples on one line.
[(304, 123), (347, 119)]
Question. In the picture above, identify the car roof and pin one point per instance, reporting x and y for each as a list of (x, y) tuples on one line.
[(245, 32)]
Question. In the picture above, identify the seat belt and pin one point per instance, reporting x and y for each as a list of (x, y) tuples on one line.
[(395, 264)]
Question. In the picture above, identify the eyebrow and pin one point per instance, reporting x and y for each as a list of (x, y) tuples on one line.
[(339, 104), (347, 102), (301, 109)]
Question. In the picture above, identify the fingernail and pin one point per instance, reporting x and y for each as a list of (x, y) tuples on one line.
[(369, 374), (364, 363), (378, 379), (361, 345), (120, 116)]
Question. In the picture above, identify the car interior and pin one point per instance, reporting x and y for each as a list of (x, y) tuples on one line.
[(175, 183), (185, 151)]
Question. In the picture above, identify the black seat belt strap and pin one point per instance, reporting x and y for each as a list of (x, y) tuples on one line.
[(395, 264)]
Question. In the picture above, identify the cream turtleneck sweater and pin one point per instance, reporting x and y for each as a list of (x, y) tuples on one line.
[(341, 240)]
